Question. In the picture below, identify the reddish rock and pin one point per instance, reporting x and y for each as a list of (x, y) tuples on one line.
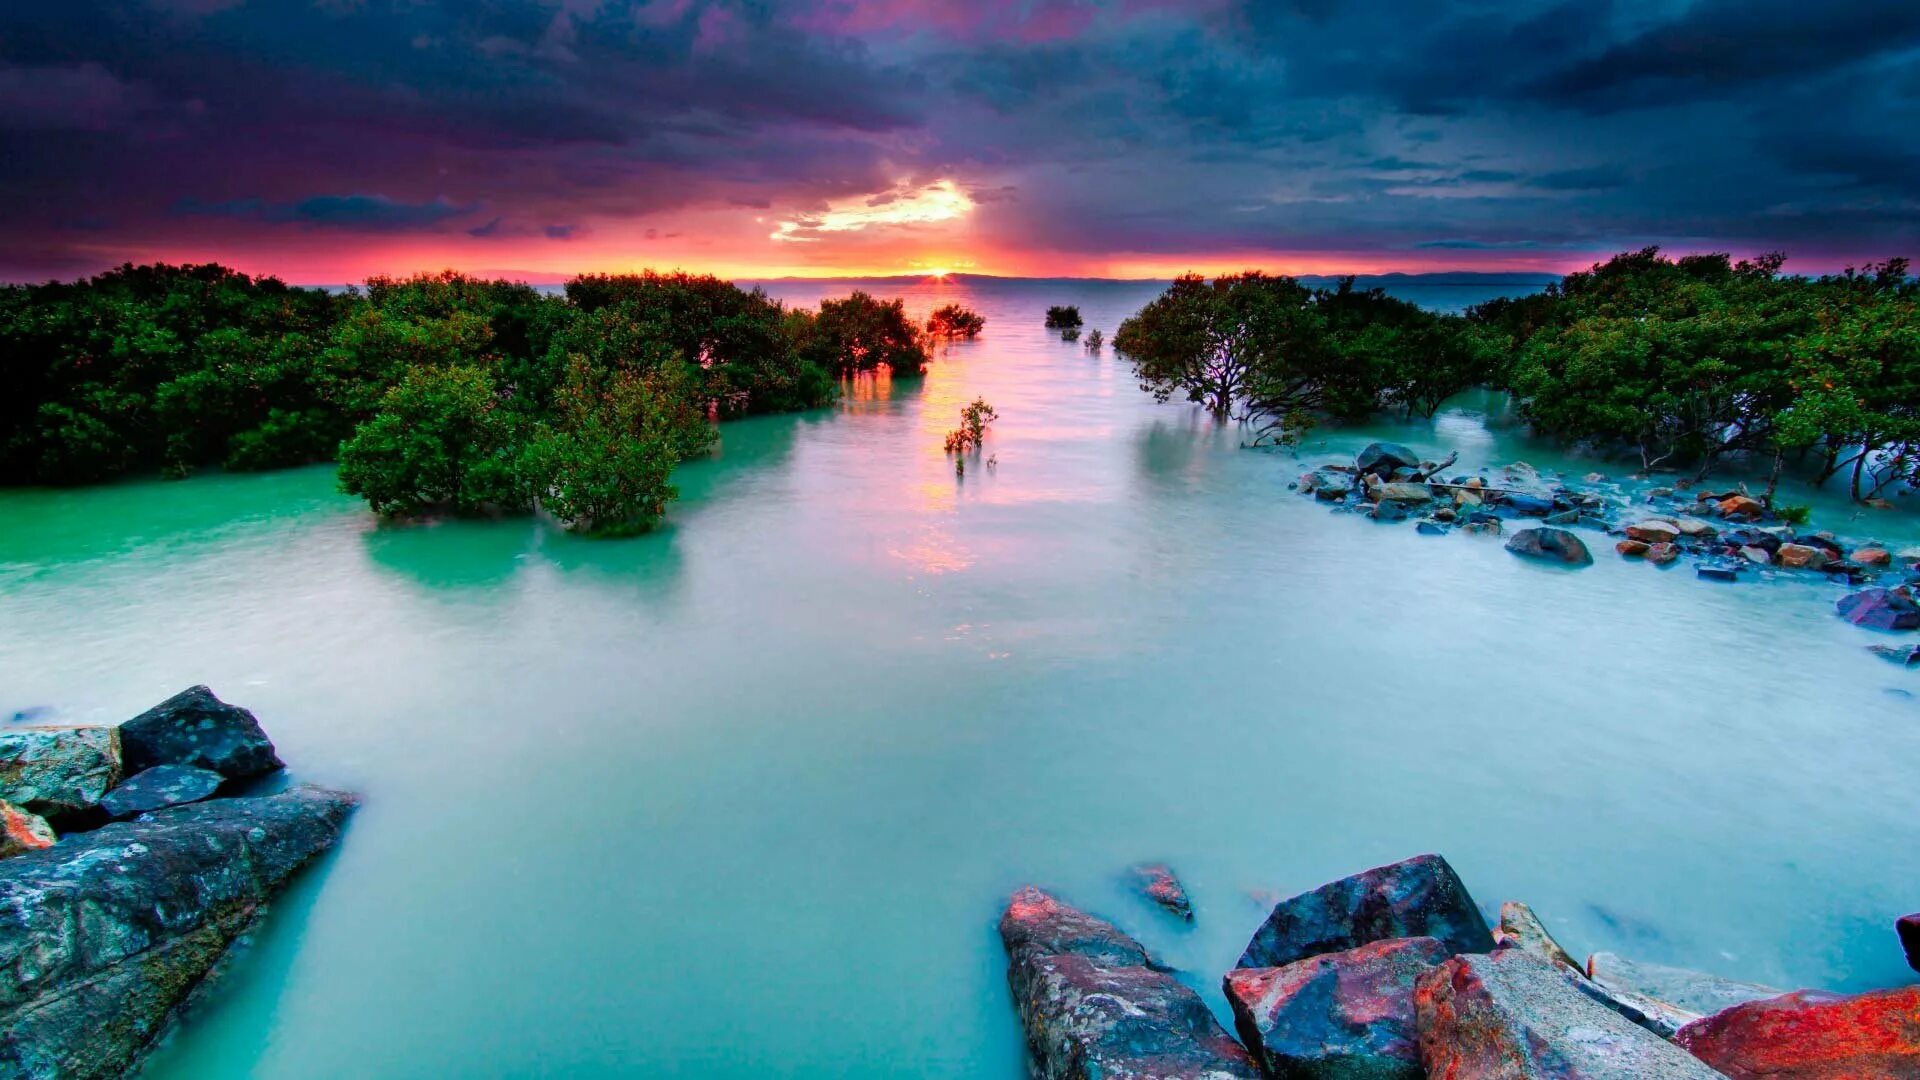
[(1662, 554), (1096, 1008), (1741, 506), (1812, 1035), (1159, 884), (21, 831), (1873, 556), (1513, 1016), (1908, 927), (1417, 897), (1338, 1015), (1880, 609), (1802, 556), (1653, 531), (1632, 549)]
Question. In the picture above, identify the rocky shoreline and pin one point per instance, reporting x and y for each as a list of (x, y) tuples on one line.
[(1726, 535), (133, 858), (1396, 974)]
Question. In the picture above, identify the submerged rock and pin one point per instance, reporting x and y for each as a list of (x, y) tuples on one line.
[(1558, 545), (1716, 572), (1418, 897), (1520, 928), (1696, 992), (1811, 1035), (1095, 1008), (160, 786), (1337, 1015), (1880, 609), (1662, 554), (1382, 458), (1904, 655), (107, 932), (58, 770), (1632, 549), (196, 728), (1158, 883), (22, 831), (1514, 1016)]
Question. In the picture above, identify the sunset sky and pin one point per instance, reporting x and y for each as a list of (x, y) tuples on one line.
[(324, 140)]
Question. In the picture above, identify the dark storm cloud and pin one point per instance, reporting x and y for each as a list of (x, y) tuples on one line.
[(1141, 126)]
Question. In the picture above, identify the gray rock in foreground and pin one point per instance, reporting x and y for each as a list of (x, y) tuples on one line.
[(1417, 897), (193, 727), (56, 770), (1095, 1008), (158, 787), (103, 935), (1697, 992), (1514, 1016), (1337, 1016)]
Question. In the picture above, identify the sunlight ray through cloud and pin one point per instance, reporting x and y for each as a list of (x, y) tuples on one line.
[(937, 202)]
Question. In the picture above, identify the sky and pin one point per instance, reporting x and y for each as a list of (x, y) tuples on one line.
[(327, 140)]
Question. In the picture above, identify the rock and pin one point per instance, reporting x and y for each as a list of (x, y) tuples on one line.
[(1338, 1015), (1741, 506), (1697, 992), (1846, 573), (1382, 458), (1802, 557), (1908, 927), (1813, 1035), (1445, 513), (1662, 554), (1417, 897), (1759, 556), (1387, 511), (195, 728), (1530, 505), (58, 770), (1632, 549), (1409, 494), (1694, 527), (1330, 493), (1095, 1008), (1904, 655), (1716, 572), (22, 831), (1513, 1016), (1558, 545), (1564, 517), (1158, 883), (1430, 528), (1880, 609), (160, 786), (1908, 556), (108, 931), (1653, 531), (1763, 539), (1465, 497), (1520, 928), (1482, 528), (1660, 493), (1873, 556), (1595, 478)]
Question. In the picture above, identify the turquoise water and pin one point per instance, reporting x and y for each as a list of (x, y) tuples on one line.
[(744, 797)]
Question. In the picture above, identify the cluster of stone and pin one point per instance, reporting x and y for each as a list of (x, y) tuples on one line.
[(1394, 974), (125, 879), (1726, 535)]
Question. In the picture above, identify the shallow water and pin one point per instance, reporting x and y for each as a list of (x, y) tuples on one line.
[(744, 797)]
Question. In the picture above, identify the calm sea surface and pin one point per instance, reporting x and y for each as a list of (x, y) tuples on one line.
[(744, 797)]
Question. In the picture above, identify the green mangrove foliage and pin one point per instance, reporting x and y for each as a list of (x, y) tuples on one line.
[(1679, 363), (1063, 317), (438, 392), (955, 321)]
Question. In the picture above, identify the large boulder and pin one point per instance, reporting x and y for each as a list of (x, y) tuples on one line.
[(109, 931), (1417, 897), (1096, 1008), (1802, 556), (1812, 1035), (1337, 1016), (160, 786), (1513, 1016), (1697, 992), (1557, 545), (22, 831), (1880, 609), (1382, 458), (195, 728), (54, 771)]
